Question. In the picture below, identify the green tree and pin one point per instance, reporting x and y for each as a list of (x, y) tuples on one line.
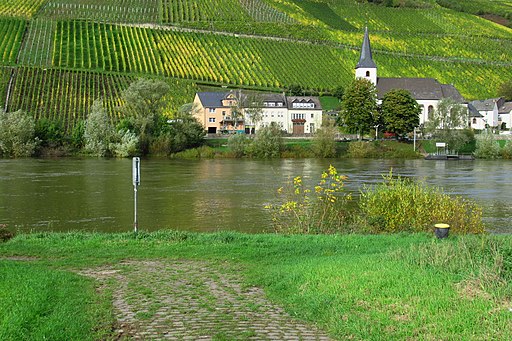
[(144, 101), (98, 130), (449, 124), (400, 112), (17, 134), (505, 90), (359, 107), (487, 147)]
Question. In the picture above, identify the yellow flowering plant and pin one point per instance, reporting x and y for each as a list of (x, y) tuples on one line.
[(322, 209)]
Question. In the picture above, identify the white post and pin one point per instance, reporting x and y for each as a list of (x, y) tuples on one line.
[(414, 139), (136, 182)]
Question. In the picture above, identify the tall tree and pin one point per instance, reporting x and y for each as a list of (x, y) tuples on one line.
[(359, 107), (98, 130), (400, 112), (448, 124), (144, 101)]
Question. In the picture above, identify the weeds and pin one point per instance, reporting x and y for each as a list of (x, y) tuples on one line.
[(323, 209)]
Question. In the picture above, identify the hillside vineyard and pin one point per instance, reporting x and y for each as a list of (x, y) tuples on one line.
[(58, 56)]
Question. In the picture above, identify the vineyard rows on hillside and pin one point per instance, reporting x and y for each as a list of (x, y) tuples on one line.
[(120, 11), (68, 95), (20, 8), (11, 34)]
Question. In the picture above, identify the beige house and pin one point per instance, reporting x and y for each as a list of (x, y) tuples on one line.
[(214, 110)]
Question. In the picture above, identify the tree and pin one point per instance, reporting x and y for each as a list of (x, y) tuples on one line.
[(448, 124), (400, 112), (17, 134), (253, 109), (505, 90), (359, 107), (296, 90), (144, 101), (98, 130)]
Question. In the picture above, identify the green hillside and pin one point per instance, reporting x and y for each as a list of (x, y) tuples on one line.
[(57, 56)]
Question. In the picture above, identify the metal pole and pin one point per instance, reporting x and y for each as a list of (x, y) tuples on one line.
[(135, 223), (414, 146)]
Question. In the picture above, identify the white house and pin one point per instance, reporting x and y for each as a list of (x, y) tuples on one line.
[(490, 113), (505, 115), (427, 91)]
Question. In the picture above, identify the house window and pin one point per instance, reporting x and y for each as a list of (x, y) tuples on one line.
[(211, 119), (367, 73), (211, 110), (312, 128), (279, 104), (223, 113), (474, 120), (312, 115)]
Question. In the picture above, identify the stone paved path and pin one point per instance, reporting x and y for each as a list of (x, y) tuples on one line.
[(194, 300)]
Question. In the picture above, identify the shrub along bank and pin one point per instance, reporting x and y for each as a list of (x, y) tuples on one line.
[(353, 286)]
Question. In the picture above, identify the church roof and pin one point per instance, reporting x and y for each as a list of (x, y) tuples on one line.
[(366, 60), (420, 88)]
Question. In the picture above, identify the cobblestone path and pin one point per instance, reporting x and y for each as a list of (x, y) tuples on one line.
[(194, 300)]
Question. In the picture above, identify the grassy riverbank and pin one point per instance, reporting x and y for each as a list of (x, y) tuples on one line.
[(351, 286)]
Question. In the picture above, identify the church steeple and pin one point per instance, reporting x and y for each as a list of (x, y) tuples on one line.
[(366, 67)]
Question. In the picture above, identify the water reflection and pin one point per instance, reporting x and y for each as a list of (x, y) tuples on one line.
[(208, 195)]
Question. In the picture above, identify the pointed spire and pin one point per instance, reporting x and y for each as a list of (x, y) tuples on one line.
[(366, 60)]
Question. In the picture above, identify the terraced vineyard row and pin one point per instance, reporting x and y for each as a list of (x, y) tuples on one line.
[(5, 76), (11, 33), (68, 95), (119, 11), (20, 8), (38, 43), (175, 11)]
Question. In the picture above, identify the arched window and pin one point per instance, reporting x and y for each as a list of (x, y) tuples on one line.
[(367, 73), (474, 120), (430, 112)]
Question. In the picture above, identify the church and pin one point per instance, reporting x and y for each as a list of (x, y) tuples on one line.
[(427, 91)]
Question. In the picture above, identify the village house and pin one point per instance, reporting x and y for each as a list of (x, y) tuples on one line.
[(246, 112), (428, 92), (490, 113)]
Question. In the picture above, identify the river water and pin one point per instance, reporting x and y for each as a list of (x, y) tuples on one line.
[(210, 195)]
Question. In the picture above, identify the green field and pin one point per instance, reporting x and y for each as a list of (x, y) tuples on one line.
[(314, 44)]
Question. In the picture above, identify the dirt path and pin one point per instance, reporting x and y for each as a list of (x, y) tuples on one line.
[(194, 300)]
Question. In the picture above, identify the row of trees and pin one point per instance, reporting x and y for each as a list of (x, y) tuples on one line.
[(143, 128)]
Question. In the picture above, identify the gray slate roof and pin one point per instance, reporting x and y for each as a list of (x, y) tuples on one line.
[(212, 99), (420, 88), (487, 104), (506, 108), (366, 60)]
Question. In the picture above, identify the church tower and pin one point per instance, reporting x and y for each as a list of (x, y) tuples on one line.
[(366, 68)]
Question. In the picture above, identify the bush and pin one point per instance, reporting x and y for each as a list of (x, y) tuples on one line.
[(323, 209), (17, 134), (238, 144), (268, 143), (361, 149), (125, 145), (487, 147), (399, 204), (506, 151), (50, 132), (324, 143)]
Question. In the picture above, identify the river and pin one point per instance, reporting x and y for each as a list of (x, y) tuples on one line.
[(210, 195)]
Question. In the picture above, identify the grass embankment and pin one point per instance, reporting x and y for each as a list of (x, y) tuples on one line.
[(353, 286), (303, 148)]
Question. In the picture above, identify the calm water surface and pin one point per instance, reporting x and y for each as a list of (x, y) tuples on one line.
[(210, 195)]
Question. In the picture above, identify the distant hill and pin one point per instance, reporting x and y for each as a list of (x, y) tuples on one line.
[(58, 56)]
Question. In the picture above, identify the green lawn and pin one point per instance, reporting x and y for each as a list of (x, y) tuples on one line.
[(353, 286)]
